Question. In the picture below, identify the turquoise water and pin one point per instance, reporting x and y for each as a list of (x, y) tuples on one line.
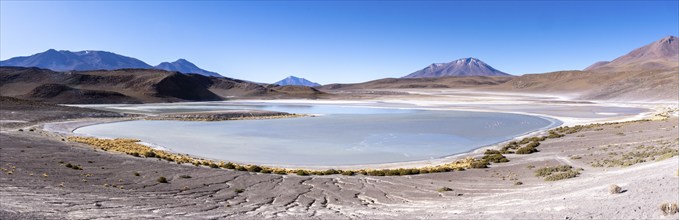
[(341, 136)]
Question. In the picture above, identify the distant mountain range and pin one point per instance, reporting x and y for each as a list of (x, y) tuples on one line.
[(64, 60), (296, 81), (661, 54), (462, 67)]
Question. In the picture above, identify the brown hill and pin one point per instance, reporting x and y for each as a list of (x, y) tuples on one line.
[(662, 54), (131, 86), (648, 85), (415, 83)]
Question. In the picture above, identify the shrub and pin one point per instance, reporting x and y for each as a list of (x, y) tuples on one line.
[(137, 174), (526, 150), (495, 158), (376, 173), (266, 170), (254, 168), (301, 173), (480, 164), (553, 134), (564, 175), (518, 183), (614, 189), (391, 172), (185, 177), (546, 171), (492, 152), (241, 168), (281, 172), (149, 154), (135, 154), (239, 190), (162, 179), (348, 173), (229, 165), (668, 209), (533, 144), (444, 189), (331, 172)]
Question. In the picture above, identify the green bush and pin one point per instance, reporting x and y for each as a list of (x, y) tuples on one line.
[(281, 172)]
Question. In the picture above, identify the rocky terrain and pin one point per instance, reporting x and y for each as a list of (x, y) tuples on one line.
[(662, 54), (134, 86), (45, 177)]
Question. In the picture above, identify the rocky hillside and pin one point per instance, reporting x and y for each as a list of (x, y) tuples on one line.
[(133, 86), (661, 54)]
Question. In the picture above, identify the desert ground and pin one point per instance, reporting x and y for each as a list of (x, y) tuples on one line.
[(639, 156)]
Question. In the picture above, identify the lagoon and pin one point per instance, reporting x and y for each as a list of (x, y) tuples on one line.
[(341, 135)]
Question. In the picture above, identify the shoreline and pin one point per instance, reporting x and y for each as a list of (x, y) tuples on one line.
[(446, 159)]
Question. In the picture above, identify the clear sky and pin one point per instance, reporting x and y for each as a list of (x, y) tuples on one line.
[(329, 42)]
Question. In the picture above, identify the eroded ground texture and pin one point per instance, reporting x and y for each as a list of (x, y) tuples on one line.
[(37, 184)]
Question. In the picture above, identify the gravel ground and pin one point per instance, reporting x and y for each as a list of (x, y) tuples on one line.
[(36, 184)]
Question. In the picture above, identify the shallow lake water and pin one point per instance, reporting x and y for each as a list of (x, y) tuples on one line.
[(342, 135)]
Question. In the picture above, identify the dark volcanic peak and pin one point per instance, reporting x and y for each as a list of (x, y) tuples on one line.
[(462, 67), (65, 60), (660, 54), (184, 66), (296, 81)]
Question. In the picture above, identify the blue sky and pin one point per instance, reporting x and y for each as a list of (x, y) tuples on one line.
[(340, 41)]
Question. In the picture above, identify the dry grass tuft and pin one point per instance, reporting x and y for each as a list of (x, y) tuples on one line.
[(668, 209)]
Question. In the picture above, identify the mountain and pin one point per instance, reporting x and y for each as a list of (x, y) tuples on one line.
[(64, 60), (184, 66), (296, 81), (661, 54), (135, 86), (462, 67)]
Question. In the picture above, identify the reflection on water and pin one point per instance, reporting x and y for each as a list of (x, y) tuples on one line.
[(343, 136)]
